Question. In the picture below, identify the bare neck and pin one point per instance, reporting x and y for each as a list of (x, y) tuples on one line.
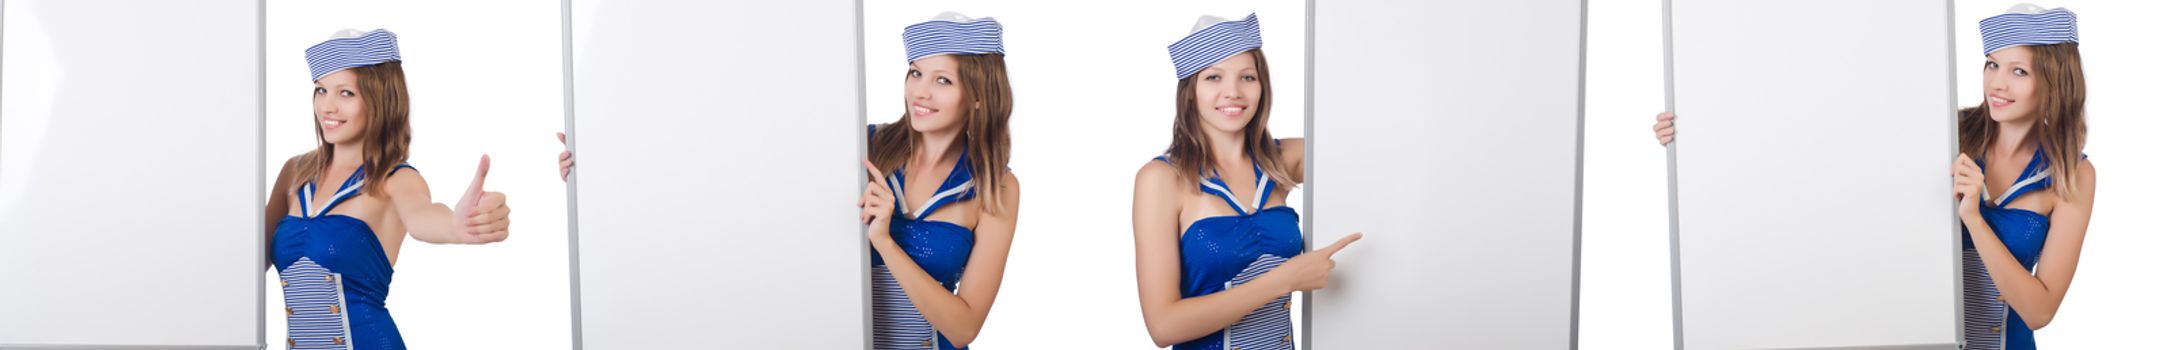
[(346, 155), (2013, 137), (936, 146), (1228, 149)]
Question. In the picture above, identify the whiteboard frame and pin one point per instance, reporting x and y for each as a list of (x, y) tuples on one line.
[(572, 181), (259, 240), (1576, 240), (1673, 191)]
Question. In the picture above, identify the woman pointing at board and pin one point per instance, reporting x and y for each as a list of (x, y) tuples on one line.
[(2024, 188), (1219, 252)]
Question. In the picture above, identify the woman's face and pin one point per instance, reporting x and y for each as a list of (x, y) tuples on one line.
[(2009, 84), (1228, 93), (338, 105), (932, 95)]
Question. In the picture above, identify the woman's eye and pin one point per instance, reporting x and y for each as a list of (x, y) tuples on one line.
[(1211, 78), (943, 81), (913, 73), (346, 93), (319, 91), (1990, 65), (1251, 78), (2020, 72)]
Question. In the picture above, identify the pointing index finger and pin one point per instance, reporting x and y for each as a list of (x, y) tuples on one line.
[(1338, 245)]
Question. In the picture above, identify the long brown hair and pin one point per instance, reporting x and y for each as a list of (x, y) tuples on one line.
[(383, 88), (2061, 111), (986, 138), (1188, 149)]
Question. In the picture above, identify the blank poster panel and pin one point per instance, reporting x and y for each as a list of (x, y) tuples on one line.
[(719, 143), (1454, 146), (131, 174), (1811, 194)]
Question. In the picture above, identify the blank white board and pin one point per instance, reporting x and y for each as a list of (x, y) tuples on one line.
[(718, 148), (1456, 150), (1811, 196), (131, 174)]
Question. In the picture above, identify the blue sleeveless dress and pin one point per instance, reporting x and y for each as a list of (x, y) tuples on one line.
[(1990, 322), (335, 275), (1222, 252), (940, 248)]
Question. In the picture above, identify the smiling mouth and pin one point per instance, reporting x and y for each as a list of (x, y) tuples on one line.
[(329, 124), (1231, 111), (1999, 102), (922, 111)]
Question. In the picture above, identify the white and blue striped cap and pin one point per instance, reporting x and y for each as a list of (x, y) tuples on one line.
[(351, 48), (953, 33), (2027, 24), (1213, 39)]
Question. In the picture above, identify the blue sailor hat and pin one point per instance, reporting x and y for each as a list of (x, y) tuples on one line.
[(2027, 24), (953, 33), (351, 48), (1213, 39)]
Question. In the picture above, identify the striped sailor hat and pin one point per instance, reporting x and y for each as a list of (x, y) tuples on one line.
[(1212, 40), (351, 48), (2027, 24), (953, 33)]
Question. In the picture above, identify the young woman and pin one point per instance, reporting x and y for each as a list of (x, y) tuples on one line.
[(2024, 188), (335, 246), (940, 238), (1218, 251)]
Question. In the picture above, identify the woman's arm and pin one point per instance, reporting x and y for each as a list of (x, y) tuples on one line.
[(481, 217), (275, 208), (2036, 296), (1171, 318), (960, 316)]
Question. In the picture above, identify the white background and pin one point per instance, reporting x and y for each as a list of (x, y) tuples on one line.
[(483, 77), (1082, 129), (1626, 280), (1094, 101), (129, 213)]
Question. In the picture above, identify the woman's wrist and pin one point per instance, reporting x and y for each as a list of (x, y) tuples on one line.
[(1277, 281), (878, 233), (1977, 228)]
